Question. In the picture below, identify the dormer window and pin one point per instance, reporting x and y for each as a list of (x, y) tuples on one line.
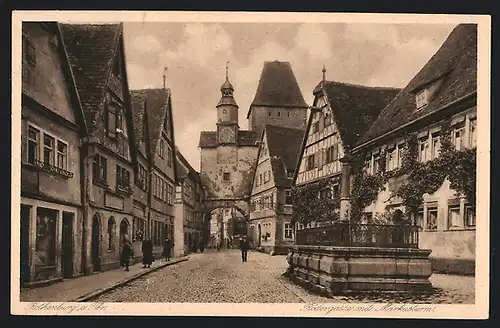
[(421, 98)]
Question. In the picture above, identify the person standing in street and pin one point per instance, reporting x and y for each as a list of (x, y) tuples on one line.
[(127, 253), (147, 253), (167, 249), (244, 245)]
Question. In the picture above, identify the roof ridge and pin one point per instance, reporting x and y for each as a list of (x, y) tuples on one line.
[(274, 126), (363, 86)]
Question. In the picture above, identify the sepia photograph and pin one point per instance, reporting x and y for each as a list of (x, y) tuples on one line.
[(173, 163)]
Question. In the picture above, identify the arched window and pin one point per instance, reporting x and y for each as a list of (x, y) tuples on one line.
[(111, 233)]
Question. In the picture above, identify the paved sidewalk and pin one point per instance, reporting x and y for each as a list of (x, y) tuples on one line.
[(73, 289)]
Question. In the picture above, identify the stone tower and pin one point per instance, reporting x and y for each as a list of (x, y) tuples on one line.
[(278, 99)]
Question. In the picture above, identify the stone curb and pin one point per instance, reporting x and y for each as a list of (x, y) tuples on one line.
[(94, 294)]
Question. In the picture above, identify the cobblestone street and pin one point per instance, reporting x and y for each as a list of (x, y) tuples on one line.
[(222, 277)]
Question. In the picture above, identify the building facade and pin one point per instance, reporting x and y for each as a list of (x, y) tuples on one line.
[(188, 213), (157, 134), (340, 114), (271, 228), (429, 149), (97, 59), (52, 125)]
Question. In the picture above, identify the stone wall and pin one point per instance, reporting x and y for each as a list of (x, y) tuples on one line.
[(337, 270)]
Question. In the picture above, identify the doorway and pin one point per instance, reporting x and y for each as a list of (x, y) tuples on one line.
[(260, 234), (25, 247), (67, 245), (96, 260)]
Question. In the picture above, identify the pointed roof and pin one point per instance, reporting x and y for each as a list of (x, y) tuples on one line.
[(91, 50), (284, 149), (355, 107), (278, 87), (454, 65), (156, 107)]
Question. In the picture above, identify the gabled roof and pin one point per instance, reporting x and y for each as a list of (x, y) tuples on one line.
[(355, 107), (184, 169), (138, 113), (278, 87), (91, 50), (284, 149), (208, 139), (156, 107), (455, 64)]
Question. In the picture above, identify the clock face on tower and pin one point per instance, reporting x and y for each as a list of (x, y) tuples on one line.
[(227, 134)]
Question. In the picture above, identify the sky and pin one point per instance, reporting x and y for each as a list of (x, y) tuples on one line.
[(195, 55)]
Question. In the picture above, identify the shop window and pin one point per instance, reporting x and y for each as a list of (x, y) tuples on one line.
[(46, 227)]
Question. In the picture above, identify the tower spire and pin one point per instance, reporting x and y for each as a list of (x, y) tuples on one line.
[(165, 77), (324, 72), (227, 70)]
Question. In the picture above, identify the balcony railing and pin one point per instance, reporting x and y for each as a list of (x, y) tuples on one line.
[(360, 235), (53, 169)]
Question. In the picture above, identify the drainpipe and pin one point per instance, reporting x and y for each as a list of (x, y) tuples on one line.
[(87, 155)]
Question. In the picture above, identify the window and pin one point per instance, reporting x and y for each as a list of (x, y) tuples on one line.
[(472, 132), (419, 218), (111, 233), (33, 144), (423, 146), (288, 114), (279, 113), (122, 176), (45, 249), (48, 149), (142, 178), (436, 145), (328, 119), (432, 214), (332, 153), (376, 163), (170, 195), (336, 191), (453, 217), (310, 162), (169, 156), (62, 155), (316, 127), (162, 149), (421, 98), (269, 113), (100, 168), (401, 150), (368, 165), (267, 175), (29, 54), (288, 197), (226, 176), (392, 162), (457, 137), (288, 230), (224, 111), (470, 216), (111, 115)]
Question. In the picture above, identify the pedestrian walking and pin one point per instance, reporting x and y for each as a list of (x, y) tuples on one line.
[(167, 249), (127, 253), (244, 245), (147, 253)]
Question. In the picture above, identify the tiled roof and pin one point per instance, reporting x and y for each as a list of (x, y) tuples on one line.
[(138, 113), (156, 101), (284, 149), (355, 107), (455, 64), (91, 50), (185, 169), (208, 139), (278, 87)]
